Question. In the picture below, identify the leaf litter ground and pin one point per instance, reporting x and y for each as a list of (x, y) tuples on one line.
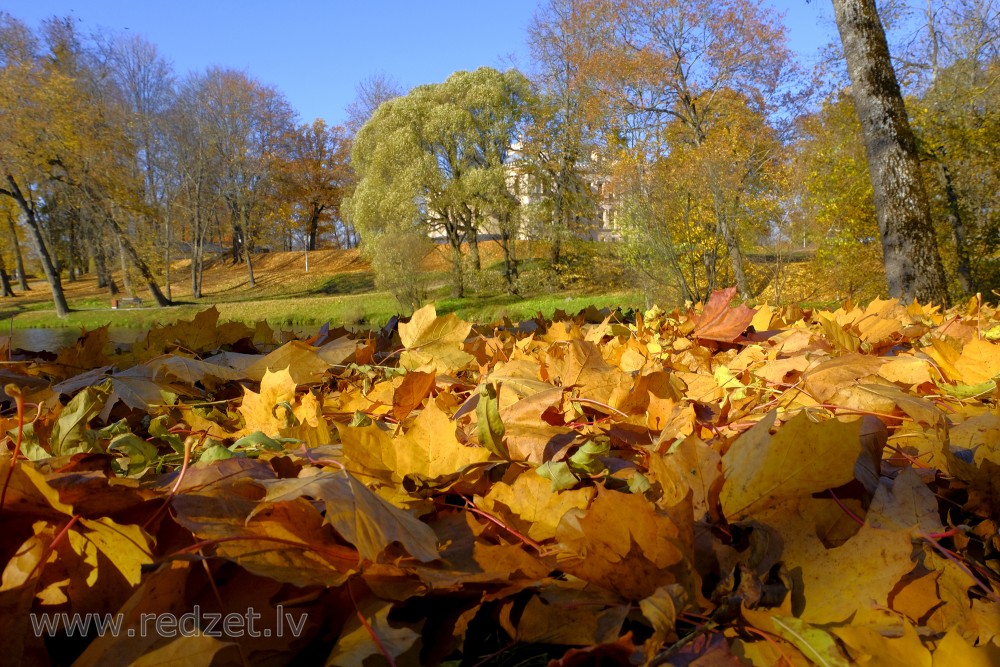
[(720, 486)]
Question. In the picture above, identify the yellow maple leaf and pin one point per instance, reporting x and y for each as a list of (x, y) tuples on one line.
[(431, 449), (803, 457), (537, 509)]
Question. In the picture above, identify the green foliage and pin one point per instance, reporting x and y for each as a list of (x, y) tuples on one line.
[(837, 202), (684, 217), (435, 160), (396, 260), (957, 123)]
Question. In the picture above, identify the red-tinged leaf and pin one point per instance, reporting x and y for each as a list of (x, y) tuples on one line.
[(289, 543), (720, 322), (620, 652), (411, 393)]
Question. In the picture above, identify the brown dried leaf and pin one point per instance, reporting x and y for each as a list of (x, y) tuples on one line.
[(720, 322), (414, 388)]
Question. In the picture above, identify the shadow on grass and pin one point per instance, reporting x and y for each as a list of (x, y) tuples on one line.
[(347, 283)]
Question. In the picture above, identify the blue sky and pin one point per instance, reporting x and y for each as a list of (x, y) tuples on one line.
[(315, 52)]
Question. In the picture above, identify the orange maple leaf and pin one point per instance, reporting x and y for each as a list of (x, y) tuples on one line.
[(720, 322)]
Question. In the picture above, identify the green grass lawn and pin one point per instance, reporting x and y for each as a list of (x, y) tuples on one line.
[(372, 308), (285, 296)]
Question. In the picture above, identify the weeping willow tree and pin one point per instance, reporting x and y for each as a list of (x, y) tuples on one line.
[(436, 160)]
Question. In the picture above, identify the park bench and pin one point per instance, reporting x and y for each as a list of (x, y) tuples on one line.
[(134, 302)]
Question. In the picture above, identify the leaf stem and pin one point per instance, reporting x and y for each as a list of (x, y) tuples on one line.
[(19, 401), (990, 593), (371, 631)]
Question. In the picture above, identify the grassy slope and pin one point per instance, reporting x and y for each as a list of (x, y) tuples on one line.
[(338, 288)]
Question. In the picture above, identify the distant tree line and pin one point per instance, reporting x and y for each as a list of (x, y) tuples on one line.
[(110, 161)]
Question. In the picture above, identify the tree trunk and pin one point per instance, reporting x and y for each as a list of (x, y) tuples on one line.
[(960, 231), (104, 276), (5, 288), (473, 236), (455, 241), (197, 241), (139, 264), (72, 269), (313, 225), (126, 274), (168, 232), (237, 242), (22, 279), (246, 253), (93, 252), (508, 242), (735, 254), (51, 274), (241, 243), (913, 266), (249, 263), (197, 252)]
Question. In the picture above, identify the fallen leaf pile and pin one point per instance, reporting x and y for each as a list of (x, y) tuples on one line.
[(716, 486)]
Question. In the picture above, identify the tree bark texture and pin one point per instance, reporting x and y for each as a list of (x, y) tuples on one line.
[(960, 230), (5, 288), (48, 266), (127, 248), (22, 278), (913, 266)]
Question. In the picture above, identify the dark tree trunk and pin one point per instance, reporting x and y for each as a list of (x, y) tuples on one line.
[(104, 277), (197, 254), (913, 266), (313, 225), (960, 231), (238, 239), (473, 236), (126, 273), (5, 284), (22, 279), (455, 241), (72, 270), (5, 288), (249, 263), (735, 254), (48, 267), (508, 243), (167, 258), (139, 264), (246, 254)]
